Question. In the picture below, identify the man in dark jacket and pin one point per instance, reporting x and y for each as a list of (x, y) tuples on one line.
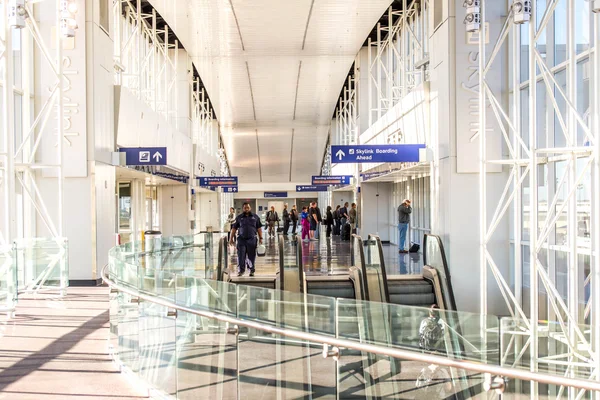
[(294, 217), (404, 211), (286, 220), (319, 220), (247, 226)]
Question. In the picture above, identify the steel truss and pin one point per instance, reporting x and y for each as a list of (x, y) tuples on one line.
[(555, 152), (22, 132), (346, 112), (149, 66), (146, 61), (397, 58)]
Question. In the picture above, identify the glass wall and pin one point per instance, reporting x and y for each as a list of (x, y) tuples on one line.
[(562, 113), (418, 191)]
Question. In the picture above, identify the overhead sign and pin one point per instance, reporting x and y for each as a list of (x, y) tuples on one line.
[(376, 153), (311, 188), (275, 194), (331, 180), (216, 181), (145, 155)]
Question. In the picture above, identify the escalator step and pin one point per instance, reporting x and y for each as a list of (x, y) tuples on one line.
[(415, 299), (399, 287)]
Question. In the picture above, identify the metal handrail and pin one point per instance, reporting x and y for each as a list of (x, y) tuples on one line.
[(338, 343)]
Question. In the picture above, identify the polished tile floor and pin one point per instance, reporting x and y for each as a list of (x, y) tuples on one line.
[(327, 256), (57, 349)]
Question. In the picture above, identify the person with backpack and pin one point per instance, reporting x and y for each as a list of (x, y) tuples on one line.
[(272, 218), (305, 224), (286, 220), (294, 217), (336, 221)]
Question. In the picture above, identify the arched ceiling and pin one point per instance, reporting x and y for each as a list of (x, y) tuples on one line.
[(273, 70)]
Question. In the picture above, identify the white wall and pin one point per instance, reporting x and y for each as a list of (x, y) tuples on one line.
[(174, 210), (207, 211), (376, 209)]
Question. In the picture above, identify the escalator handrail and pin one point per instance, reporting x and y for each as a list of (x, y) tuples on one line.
[(222, 258), (386, 291), (451, 298), (281, 264), (363, 267)]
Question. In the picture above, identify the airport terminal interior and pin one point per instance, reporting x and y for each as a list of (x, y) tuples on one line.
[(300, 199)]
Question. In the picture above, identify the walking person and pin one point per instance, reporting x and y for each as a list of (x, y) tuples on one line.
[(305, 224), (230, 222), (247, 225), (328, 221), (286, 220), (294, 217), (404, 211), (336, 220), (272, 218), (353, 218)]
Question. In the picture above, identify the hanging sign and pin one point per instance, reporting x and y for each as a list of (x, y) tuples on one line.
[(145, 155), (331, 180), (376, 153), (275, 194), (311, 188), (216, 181)]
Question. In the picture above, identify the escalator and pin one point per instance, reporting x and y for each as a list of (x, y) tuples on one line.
[(348, 285), (431, 288)]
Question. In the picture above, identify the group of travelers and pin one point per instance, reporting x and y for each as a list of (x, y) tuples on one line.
[(342, 221)]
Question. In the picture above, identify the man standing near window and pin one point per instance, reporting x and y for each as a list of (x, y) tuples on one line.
[(404, 211)]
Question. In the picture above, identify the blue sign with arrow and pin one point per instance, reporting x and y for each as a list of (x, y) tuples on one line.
[(376, 153), (145, 155), (311, 188), (331, 180), (230, 189)]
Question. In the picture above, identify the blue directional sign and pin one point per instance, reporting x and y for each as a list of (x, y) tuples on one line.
[(311, 188), (275, 194), (216, 181), (145, 155), (230, 189), (331, 180), (376, 153)]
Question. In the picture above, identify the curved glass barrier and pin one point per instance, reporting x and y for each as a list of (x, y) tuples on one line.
[(181, 354)]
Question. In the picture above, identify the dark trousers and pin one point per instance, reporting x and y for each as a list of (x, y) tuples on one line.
[(246, 248), (294, 227), (328, 233), (336, 227), (286, 226)]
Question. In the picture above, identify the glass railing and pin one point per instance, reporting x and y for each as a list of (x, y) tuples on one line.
[(42, 265), (8, 279), (187, 336)]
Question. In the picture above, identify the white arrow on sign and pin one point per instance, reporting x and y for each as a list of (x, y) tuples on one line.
[(340, 154), (157, 156)]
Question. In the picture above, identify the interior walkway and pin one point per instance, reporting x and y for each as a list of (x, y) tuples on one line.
[(328, 256), (57, 349)]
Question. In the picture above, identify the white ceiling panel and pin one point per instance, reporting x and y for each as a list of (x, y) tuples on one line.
[(248, 54)]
